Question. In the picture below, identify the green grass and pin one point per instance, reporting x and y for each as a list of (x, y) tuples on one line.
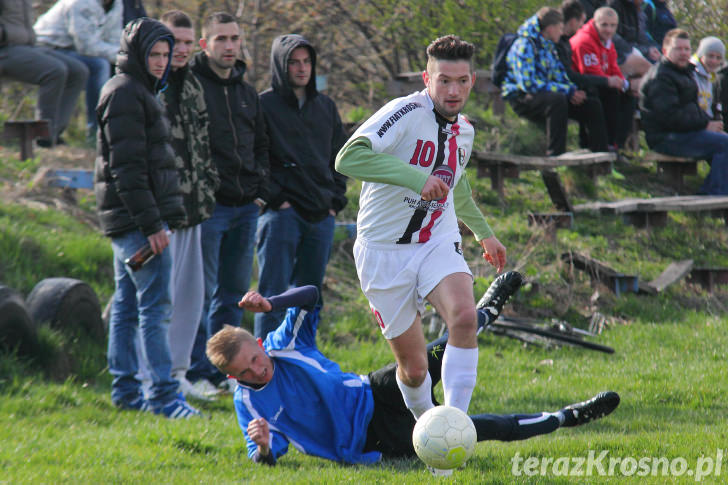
[(669, 364), (670, 376)]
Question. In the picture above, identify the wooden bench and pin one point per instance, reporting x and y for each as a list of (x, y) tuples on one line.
[(615, 280), (673, 169), (502, 165), (708, 278), (26, 131), (653, 212), (551, 221)]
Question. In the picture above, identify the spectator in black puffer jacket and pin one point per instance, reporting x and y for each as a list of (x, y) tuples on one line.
[(137, 196), (672, 118)]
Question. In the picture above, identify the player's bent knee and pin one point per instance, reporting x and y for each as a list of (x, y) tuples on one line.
[(413, 375), (463, 321)]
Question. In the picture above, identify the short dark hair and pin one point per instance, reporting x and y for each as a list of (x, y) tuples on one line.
[(572, 9), (548, 16), (216, 18), (674, 34), (450, 48), (222, 347), (176, 18)]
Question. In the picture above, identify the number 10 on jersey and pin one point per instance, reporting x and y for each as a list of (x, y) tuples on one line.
[(424, 153)]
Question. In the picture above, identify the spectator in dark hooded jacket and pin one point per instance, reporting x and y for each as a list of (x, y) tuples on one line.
[(138, 196), (296, 231), (239, 150)]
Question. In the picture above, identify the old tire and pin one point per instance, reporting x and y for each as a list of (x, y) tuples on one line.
[(16, 326), (67, 304)]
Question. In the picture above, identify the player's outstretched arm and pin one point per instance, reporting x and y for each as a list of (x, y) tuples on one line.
[(357, 159), (303, 296)]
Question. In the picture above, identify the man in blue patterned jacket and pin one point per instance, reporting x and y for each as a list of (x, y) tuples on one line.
[(538, 88)]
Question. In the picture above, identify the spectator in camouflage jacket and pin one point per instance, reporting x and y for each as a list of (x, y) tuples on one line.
[(184, 101)]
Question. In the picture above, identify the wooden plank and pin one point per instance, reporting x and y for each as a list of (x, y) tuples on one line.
[(661, 157), (586, 263), (673, 273), (26, 131), (563, 220), (685, 204), (616, 281), (616, 207), (556, 190), (540, 163)]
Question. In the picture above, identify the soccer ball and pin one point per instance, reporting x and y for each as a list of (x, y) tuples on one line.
[(444, 437)]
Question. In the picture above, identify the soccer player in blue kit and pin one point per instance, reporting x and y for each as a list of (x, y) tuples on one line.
[(290, 393)]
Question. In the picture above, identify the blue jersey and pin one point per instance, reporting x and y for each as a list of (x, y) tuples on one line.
[(309, 402)]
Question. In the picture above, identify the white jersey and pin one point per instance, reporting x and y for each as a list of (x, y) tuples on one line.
[(411, 130)]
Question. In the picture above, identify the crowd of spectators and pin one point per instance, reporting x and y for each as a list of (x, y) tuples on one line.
[(590, 62)]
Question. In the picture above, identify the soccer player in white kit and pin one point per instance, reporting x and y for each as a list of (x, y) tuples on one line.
[(411, 155)]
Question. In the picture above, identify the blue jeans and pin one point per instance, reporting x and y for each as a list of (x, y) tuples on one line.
[(141, 300), (228, 239), (291, 251), (99, 71), (705, 145)]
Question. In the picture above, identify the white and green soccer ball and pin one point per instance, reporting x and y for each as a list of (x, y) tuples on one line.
[(444, 437)]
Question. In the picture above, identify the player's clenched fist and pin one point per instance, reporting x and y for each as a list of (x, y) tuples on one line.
[(434, 189), (259, 432), (254, 302)]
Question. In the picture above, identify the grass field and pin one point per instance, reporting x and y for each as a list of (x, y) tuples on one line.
[(670, 376), (669, 365)]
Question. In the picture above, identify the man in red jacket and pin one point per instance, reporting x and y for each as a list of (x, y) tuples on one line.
[(593, 52)]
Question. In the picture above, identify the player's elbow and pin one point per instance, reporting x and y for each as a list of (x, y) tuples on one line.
[(340, 164)]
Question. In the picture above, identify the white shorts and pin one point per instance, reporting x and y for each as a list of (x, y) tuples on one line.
[(396, 278)]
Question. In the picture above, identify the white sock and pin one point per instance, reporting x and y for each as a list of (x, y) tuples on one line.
[(418, 399), (459, 371)]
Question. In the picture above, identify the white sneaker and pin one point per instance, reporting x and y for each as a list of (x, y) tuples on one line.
[(228, 385), (189, 391), (203, 387)]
